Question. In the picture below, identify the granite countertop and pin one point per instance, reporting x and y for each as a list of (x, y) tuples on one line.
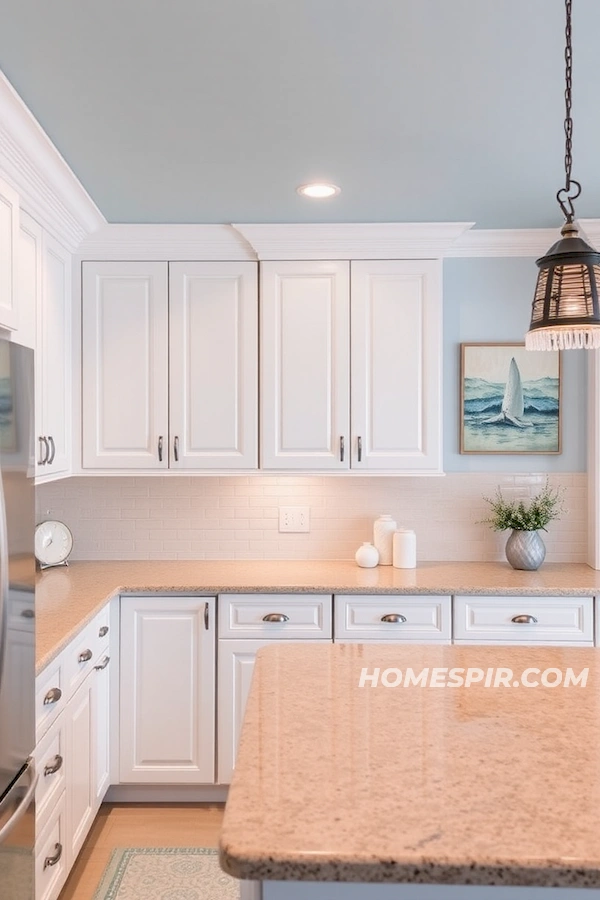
[(67, 598), (486, 786)]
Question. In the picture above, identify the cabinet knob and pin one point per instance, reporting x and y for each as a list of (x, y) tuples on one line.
[(524, 619), (52, 860), (103, 664), (53, 696), (394, 618), (103, 630), (276, 617), (53, 767), (85, 656)]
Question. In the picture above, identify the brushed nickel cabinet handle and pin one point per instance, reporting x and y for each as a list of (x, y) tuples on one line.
[(28, 614), (52, 451), (103, 631), (359, 443), (52, 860), (160, 447), (85, 656), (342, 448), (53, 696), (103, 664), (524, 619), (206, 622), (276, 617), (53, 767), (176, 448), (43, 456), (394, 618)]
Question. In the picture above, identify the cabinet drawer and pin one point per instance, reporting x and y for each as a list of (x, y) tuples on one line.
[(277, 616), (85, 650), (524, 620), (51, 864), (50, 696), (408, 618), (21, 615), (50, 763)]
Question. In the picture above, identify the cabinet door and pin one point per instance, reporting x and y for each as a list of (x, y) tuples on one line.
[(213, 363), (305, 365), (53, 358), (101, 698), (9, 236), (236, 665), (80, 760), (396, 365), (125, 365), (167, 710), (29, 279)]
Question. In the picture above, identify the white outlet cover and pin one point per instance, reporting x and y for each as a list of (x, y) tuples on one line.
[(294, 518)]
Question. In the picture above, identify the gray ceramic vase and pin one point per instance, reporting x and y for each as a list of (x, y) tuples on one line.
[(525, 550)]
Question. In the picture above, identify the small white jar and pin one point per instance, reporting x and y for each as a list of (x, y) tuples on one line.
[(367, 556), (405, 549), (383, 532)]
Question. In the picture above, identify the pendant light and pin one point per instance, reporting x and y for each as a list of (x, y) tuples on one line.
[(565, 313)]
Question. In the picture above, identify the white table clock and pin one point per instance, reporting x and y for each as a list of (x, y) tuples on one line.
[(53, 544)]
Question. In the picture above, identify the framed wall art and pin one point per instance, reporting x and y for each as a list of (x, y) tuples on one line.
[(510, 399)]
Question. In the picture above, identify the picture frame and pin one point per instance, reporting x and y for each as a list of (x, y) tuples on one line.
[(510, 399)]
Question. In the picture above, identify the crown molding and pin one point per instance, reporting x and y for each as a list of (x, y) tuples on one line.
[(373, 240), (591, 230), (504, 242), (171, 242), (48, 189)]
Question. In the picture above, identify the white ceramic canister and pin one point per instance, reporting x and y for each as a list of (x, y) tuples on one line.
[(383, 531), (405, 549), (367, 556)]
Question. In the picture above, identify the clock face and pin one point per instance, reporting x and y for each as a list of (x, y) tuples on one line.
[(53, 543)]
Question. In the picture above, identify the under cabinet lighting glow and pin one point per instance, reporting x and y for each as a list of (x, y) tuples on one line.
[(318, 190)]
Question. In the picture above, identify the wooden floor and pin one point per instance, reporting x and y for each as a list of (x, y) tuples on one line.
[(140, 825)]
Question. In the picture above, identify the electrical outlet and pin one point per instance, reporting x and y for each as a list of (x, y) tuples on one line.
[(294, 518)]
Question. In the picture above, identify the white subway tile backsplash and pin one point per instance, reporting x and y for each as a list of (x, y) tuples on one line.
[(237, 517)]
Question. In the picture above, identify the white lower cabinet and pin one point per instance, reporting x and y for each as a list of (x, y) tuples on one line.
[(167, 687), (235, 668), (71, 755), (524, 620), (406, 619)]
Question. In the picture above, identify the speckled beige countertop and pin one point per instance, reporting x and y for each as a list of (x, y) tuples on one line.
[(487, 786), (67, 598)]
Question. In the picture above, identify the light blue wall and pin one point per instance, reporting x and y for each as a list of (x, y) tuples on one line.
[(490, 300)]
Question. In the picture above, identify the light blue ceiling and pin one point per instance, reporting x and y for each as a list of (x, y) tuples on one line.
[(215, 110)]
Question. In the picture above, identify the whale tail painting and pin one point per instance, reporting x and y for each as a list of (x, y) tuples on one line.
[(512, 402)]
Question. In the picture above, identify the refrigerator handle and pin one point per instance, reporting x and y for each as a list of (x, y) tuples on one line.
[(3, 578), (24, 804)]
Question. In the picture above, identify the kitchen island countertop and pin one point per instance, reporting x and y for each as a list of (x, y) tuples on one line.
[(416, 784), (68, 597)]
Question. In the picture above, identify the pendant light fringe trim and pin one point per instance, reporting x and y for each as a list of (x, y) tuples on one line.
[(587, 338)]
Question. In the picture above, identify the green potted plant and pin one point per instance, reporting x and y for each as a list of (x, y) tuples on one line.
[(525, 548)]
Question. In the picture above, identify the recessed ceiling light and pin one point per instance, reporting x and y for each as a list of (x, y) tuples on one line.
[(318, 190)]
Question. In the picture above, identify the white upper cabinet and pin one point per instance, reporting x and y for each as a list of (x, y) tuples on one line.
[(396, 353), (351, 365), (125, 391), (53, 359), (305, 365), (213, 365), (169, 365), (9, 238)]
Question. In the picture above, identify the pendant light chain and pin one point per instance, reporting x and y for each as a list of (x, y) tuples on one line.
[(564, 196)]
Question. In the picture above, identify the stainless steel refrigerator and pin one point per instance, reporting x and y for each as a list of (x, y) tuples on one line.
[(17, 623)]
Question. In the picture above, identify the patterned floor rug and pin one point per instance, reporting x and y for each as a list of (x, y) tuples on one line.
[(166, 873)]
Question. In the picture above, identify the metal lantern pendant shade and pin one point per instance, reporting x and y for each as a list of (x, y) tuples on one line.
[(565, 313)]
